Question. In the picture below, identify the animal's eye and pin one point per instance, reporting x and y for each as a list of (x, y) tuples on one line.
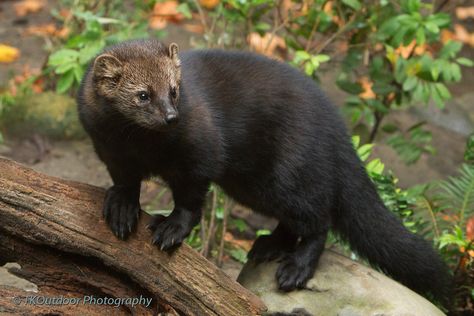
[(143, 96), (173, 92)]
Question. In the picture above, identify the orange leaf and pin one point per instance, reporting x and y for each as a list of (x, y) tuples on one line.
[(266, 44), (464, 13), (242, 243), (8, 54), (157, 23), (195, 28), (28, 6), (470, 229), (366, 84), (49, 29), (463, 35), (209, 4), (164, 12)]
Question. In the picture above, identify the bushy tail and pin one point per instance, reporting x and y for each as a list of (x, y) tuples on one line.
[(376, 234)]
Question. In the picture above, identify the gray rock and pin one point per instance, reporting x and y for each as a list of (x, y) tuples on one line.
[(340, 287), (9, 279)]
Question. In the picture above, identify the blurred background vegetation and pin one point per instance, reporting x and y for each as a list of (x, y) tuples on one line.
[(400, 71)]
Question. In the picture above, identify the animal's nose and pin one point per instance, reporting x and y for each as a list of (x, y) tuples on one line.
[(171, 117)]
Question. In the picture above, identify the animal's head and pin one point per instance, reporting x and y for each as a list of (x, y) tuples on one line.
[(140, 79)]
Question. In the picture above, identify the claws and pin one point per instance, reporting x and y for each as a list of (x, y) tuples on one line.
[(293, 274), (121, 212), (169, 232)]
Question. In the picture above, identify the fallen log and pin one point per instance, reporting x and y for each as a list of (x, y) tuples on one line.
[(53, 228)]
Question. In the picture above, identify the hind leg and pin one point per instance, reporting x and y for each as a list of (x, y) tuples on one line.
[(298, 266), (270, 247)]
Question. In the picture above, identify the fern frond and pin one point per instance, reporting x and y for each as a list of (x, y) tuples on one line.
[(457, 193)]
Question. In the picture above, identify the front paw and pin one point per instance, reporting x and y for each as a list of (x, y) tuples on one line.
[(121, 211), (169, 232), (293, 273)]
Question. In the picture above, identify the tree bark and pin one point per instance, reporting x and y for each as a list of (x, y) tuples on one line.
[(53, 228)]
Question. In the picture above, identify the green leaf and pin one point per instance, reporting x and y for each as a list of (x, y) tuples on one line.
[(435, 71), (351, 87), (364, 151), (413, 144), (375, 166), (443, 91), (389, 27), (309, 68), (262, 27), (469, 153), (455, 72), (354, 4), (450, 49), (239, 255), (185, 10), (420, 36), (457, 193), (63, 68), (432, 27), (410, 83), (263, 232), (65, 82), (465, 61), (356, 141), (63, 56), (240, 224), (435, 95), (390, 128), (322, 58)]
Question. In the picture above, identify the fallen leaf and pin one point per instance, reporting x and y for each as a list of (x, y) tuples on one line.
[(157, 23), (285, 8), (209, 4), (267, 44), (446, 36), (195, 28), (65, 13), (242, 243), (8, 54), (25, 74), (463, 35), (164, 12), (470, 228), (48, 29), (28, 6), (464, 13), (366, 85)]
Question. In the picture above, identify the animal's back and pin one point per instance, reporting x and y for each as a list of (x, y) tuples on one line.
[(277, 127)]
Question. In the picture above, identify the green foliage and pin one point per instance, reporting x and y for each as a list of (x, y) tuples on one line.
[(92, 32), (310, 63), (457, 193), (440, 211), (469, 153), (412, 144), (397, 200)]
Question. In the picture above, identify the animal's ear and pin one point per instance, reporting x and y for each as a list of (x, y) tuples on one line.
[(173, 53), (107, 66), (107, 70)]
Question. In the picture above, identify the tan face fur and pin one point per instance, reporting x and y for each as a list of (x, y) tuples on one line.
[(141, 82)]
